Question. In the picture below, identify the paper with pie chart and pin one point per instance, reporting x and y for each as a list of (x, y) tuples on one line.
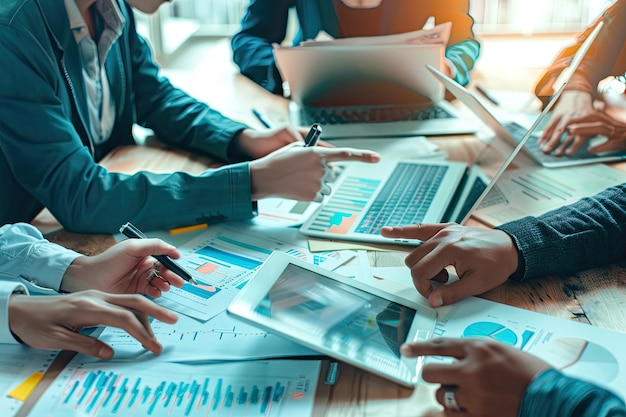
[(580, 350)]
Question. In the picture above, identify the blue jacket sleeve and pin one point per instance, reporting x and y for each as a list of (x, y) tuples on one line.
[(583, 235), (552, 394), (263, 24)]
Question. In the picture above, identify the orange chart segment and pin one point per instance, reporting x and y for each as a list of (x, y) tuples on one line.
[(207, 268), (341, 223)]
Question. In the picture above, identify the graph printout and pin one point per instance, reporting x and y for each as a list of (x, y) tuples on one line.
[(532, 191), (17, 363), (224, 258), (278, 388), (580, 350), (189, 340)]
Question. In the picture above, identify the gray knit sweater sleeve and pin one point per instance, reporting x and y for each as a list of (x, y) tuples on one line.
[(583, 235)]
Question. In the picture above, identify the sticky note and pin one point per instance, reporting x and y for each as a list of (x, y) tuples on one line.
[(23, 390)]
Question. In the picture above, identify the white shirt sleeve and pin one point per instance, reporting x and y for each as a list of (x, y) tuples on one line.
[(24, 253), (7, 289)]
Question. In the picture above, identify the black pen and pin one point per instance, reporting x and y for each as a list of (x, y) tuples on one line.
[(486, 94), (263, 119), (312, 137), (129, 230)]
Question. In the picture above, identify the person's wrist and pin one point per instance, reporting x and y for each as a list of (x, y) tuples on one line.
[(257, 182), (73, 279), (16, 316), (513, 259), (237, 148)]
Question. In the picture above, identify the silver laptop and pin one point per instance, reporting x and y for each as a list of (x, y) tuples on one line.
[(513, 131), (395, 192), (377, 91)]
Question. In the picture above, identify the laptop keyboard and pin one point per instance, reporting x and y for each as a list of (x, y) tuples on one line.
[(518, 132), (405, 198), (370, 114)]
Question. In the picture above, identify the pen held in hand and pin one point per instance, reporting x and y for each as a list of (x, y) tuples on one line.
[(313, 136), (131, 231), (265, 121)]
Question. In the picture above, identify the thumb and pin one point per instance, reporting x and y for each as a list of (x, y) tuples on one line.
[(422, 231)]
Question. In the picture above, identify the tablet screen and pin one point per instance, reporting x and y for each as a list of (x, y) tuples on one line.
[(347, 321)]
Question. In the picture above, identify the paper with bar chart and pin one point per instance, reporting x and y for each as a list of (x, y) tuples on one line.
[(533, 191), (280, 388), (17, 364), (224, 258), (221, 338), (587, 352)]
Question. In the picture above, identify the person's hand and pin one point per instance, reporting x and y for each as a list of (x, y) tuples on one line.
[(488, 378), (300, 173), (53, 322), (125, 268), (571, 105), (483, 259), (259, 143), (597, 123)]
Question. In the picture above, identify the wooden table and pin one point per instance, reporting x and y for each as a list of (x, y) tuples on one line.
[(597, 296)]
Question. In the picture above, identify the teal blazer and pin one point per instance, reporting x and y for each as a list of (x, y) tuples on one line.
[(48, 159)]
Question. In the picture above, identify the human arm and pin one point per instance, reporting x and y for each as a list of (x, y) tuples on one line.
[(50, 161), (53, 322), (551, 394), (576, 102), (264, 23), (493, 379), (598, 122), (586, 234), (300, 173), (121, 269), (24, 253), (463, 48)]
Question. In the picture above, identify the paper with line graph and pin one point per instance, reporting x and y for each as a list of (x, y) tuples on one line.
[(224, 258), (532, 191), (219, 339)]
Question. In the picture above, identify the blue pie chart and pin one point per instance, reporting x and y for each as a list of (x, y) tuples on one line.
[(495, 331)]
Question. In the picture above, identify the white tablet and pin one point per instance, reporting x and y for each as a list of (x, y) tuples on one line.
[(335, 315)]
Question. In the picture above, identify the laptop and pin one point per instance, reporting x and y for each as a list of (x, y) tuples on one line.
[(514, 130), (399, 192), (369, 91), (409, 192)]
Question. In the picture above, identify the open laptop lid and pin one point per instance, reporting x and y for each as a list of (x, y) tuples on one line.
[(498, 147), (469, 99), (513, 154), (455, 88), (358, 74)]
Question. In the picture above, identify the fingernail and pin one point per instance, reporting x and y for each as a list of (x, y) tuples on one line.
[(404, 350), (436, 300), (104, 353)]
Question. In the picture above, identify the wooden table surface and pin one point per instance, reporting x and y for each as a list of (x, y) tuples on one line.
[(597, 296)]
